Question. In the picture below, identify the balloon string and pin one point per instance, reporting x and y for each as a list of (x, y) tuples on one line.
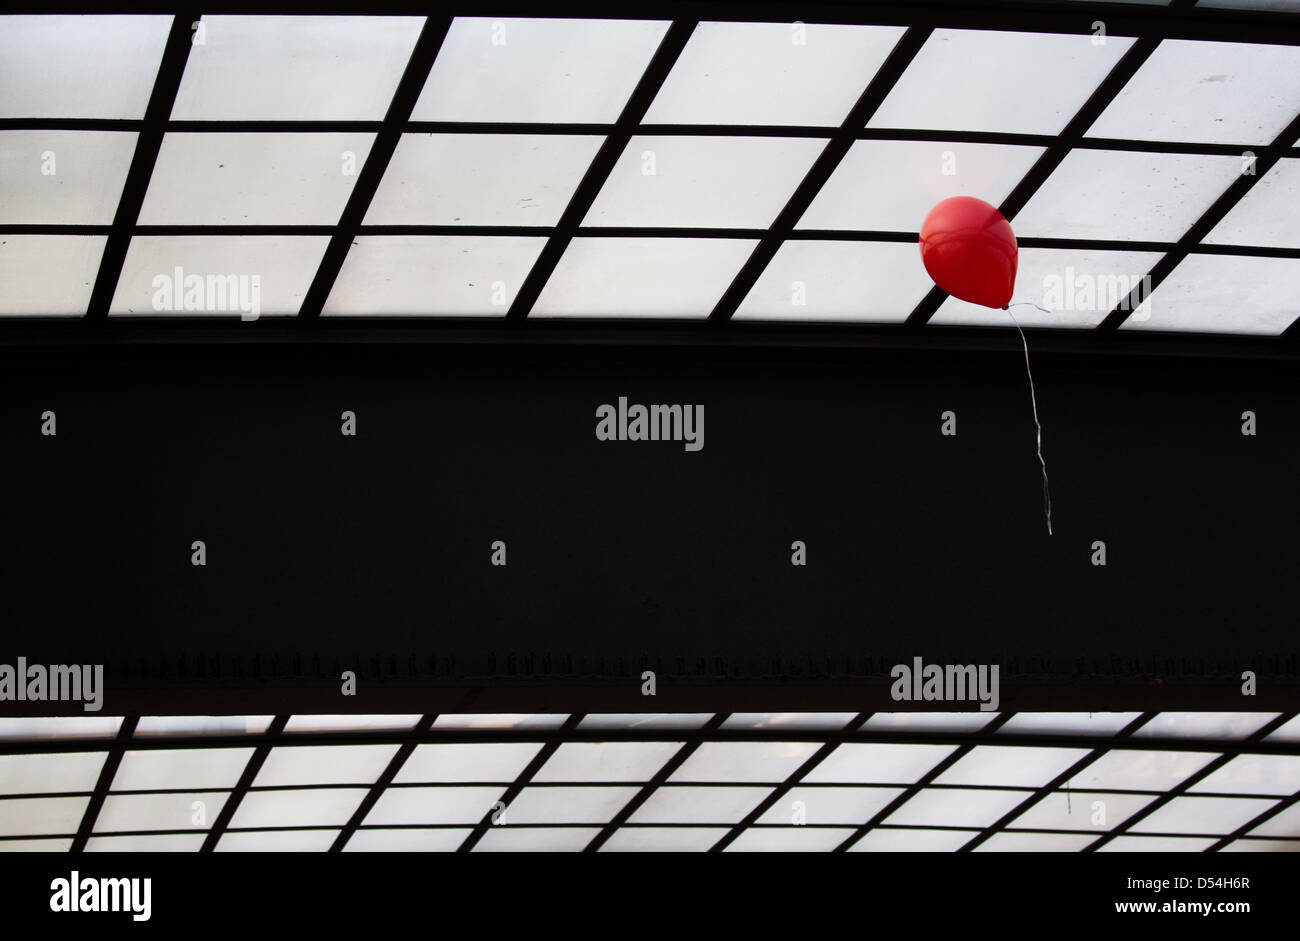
[(1033, 399)]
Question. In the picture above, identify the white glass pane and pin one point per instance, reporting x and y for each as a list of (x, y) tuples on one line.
[(607, 761), (1109, 194), (788, 840), (890, 186), (1079, 288), (433, 805), (1226, 294), (39, 845), (324, 764), (499, 721), (59, 727), (277, 841), (49, 774), (438, 840), (295, 68), (610, 277), (1228, 725), (399, 275), (877, 764), (537, 70), (48, 274), (1211, 92), (1262, 846), (1067, 723), (79, 66), (1016, 83), (159, 811), (348, 723), (1010, 765), (1254, 774), (325, 806), (37, 815), (568, 804), (497, 761), (481, 179), (174, 769), (245, 276), (146, 843), (202, 725), (855, 805), (847, 281), (657, 839), (645, 720), (252, 178), (770, 762), (1156, 844), (1266, 214), (536, 840), (62, 177), (929, 721), (1284, 823), (956, 807), (1287, 732), (708, 182), (1204, 815), (715, 805), (1125, 769), (771, 73), (912, 841), (1035, 843), (806, 721), (1081, 810)]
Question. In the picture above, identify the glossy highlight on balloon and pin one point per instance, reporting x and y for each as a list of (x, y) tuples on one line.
[(969, 250)]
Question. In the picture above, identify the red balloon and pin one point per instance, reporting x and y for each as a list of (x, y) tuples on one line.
[(968, 248)]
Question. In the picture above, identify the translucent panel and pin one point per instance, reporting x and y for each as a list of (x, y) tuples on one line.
[(398, 275), (49, 774), (607, 761), (441, 840), (1108, 194), (28, 728), (956, 807), (295, 68), (48, 274), (1254, 774), (771, 762), (1204, 815), (849, 281), (1229, 725), (877, 764), (1068, 723), (499, 721), (709, 182), (253, 178), (715, 805), (657, 839), (1035, 843), (788, 840), (1079, 288), (177, 768), (196, 810), (1081, 810), (324, 764), (645, 720), (771, 73), (1284, 823), (324, 806), (1262, 846), (201, 725), (912, 841), (245, 276), (537, 70), (789, 720), (892, 185), (39, 845), (481, 179), (1226, 294), (433, 805), (1266, 214), (62, 177), (1212, 92), (1156, 844), (536, 840), (1141, 770), (1017, 83), (568, 804), (1287, 732), (496, 761), (611, 277), (147, 843), (41, 815), (277, 841), (348, 723), (929, 721), (849, 805), (79, 66)]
